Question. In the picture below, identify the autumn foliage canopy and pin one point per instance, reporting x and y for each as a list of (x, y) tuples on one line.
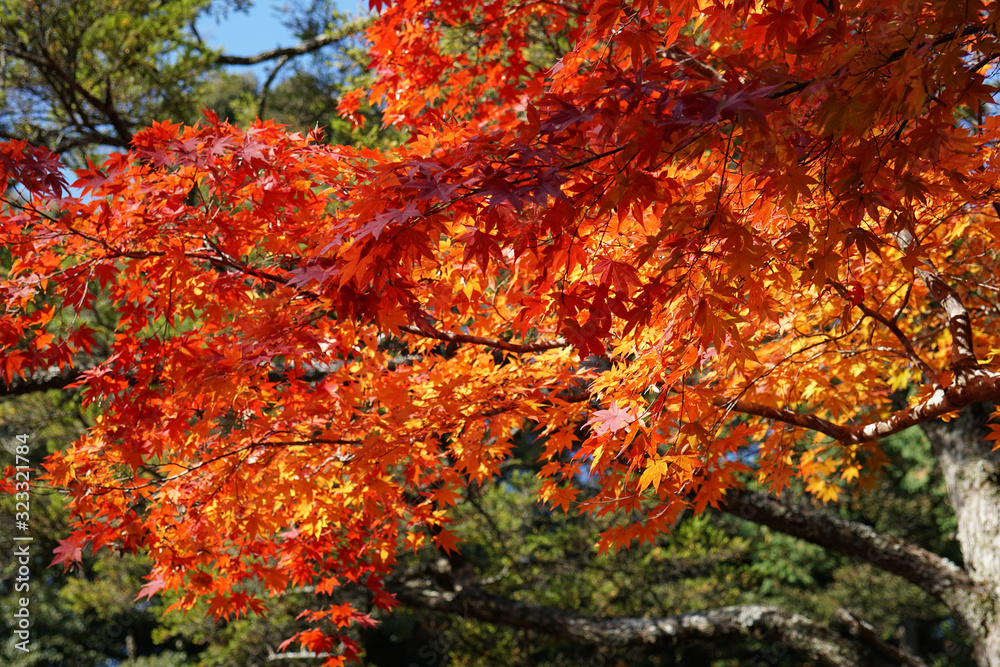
[(704, 243)]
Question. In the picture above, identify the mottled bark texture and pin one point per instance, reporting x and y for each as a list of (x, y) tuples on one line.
[(738, 625), (971, 590), (972, 472)]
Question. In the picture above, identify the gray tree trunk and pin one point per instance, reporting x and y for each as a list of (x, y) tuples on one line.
[(972, 473)]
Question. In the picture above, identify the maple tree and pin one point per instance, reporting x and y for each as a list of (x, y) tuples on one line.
[(712, 241)]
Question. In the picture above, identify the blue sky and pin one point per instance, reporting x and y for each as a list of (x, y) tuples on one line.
[(261, 29)]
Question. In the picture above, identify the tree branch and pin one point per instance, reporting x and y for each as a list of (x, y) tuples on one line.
[(686, 60), (49, 67), (871, 635), (428, 332), (893, 328), (735, 624), (45, 380), (937, 576), (981, 386), (42, 381), (265, 90), (970, 30), (963, 357), (295, 655), (302, 48), (971, 383)]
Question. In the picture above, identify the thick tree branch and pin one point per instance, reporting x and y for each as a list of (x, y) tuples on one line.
[(963, 357), (872, 636), (799, 634), (981, 387), (975, 387), (295, 655), (935, 575), (302, 48)]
